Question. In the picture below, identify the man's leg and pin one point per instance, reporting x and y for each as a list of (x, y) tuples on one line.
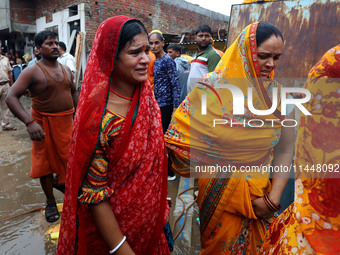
[(166, 113), (60, 187), (3, 105), (51, 211), (46, 183)]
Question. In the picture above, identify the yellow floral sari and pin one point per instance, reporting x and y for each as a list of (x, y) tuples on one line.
[(227, 220), (311, 225)]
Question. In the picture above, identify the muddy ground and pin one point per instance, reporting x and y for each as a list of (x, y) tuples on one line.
[(19, 194)]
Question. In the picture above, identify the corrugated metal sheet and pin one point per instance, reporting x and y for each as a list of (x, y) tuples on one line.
[(309, 28)]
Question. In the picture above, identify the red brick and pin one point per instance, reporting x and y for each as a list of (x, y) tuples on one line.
[(181, 20)]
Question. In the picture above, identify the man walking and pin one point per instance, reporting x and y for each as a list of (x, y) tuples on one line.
[(50, 123), (182, 66), (6, 80), (205, 59), (166, 83)]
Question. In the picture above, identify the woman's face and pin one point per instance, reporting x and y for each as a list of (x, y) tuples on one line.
[(133, 61), (269, 53), (156, 44)]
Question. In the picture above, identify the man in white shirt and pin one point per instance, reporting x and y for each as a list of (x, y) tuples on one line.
[(205, 59), (66, 58), (37, 56)]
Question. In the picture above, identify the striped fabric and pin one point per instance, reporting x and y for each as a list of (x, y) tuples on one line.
[(95, 186)]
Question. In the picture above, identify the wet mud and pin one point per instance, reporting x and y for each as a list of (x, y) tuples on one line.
[(19, 193)]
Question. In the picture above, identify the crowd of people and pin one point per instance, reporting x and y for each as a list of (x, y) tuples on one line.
[(138, 122)]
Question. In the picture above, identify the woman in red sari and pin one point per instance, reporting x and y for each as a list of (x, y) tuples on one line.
[(115, 200)]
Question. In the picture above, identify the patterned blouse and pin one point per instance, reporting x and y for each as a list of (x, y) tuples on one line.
[(95, 188)]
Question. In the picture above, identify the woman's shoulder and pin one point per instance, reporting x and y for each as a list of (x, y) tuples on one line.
[(166, 58), (169, 60)]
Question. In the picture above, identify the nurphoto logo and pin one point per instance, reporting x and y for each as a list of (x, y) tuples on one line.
[(239, 102)]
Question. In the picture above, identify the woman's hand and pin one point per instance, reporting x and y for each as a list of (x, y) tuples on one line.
[(261, 209), (108, 227)]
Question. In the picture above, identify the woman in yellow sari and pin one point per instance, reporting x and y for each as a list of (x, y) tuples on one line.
[(311, 225), (235, 207)]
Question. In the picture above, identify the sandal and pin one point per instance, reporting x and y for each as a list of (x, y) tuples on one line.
[(51, 212), (9, 128)]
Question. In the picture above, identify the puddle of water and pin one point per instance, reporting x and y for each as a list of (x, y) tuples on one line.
[(20, 193)]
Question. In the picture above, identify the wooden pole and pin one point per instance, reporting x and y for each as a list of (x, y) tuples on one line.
[(78, 54)]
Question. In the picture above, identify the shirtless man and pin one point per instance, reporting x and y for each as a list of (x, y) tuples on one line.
[(50, 123)]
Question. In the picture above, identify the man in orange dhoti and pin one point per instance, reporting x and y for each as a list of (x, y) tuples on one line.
[(50, 124)]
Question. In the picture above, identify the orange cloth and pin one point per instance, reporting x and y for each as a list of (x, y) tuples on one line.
[(246, 232), (219, 52), (150, 70), (51, 155), (311, 225)]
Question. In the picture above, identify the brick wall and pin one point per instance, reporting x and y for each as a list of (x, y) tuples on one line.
[(155, 14), (22, 11), (45, 8)]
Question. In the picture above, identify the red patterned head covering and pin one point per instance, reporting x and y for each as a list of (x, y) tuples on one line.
[(138, 175)]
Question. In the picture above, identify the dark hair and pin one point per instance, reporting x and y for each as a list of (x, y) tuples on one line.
[(203, 28), (159, 36), (130, 29), (264, 31), (40, 37), (175, 47), (183, 50), (62, 45)]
